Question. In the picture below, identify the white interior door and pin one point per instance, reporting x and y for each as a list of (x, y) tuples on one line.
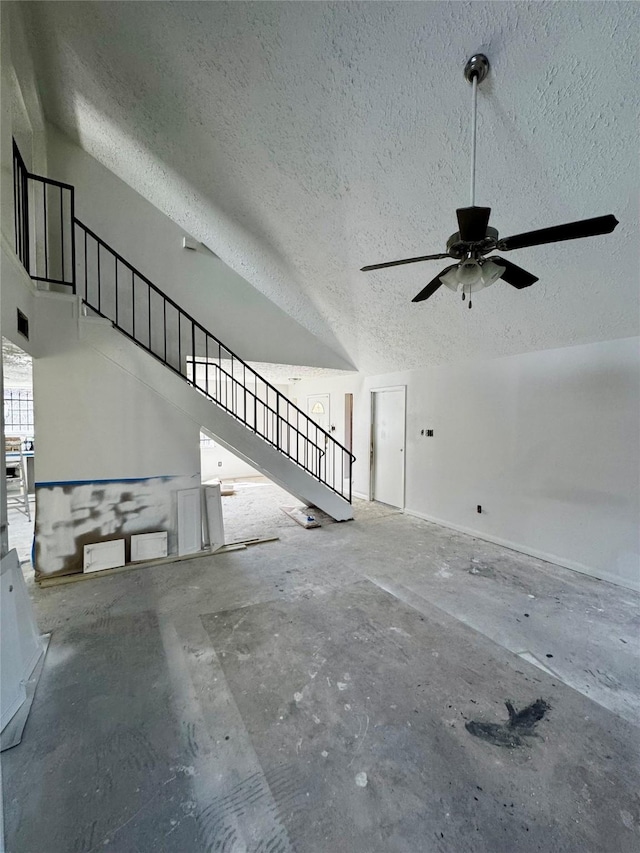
[(318, 411), (387, 446)]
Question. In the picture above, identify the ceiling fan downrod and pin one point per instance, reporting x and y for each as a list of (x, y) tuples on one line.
[(469, 246), (475, 72)]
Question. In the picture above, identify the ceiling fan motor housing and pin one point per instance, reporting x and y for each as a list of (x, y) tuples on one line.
[(458, 248)]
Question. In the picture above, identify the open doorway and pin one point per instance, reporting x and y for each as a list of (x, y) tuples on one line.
[(19, 438), (251, 502)]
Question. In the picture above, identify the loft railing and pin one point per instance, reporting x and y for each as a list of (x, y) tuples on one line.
[(44, 213), (67, 252)]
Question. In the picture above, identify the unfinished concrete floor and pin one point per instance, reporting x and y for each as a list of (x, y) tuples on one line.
[(313, 694)]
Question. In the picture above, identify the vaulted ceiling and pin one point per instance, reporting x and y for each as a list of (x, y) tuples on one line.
[(300, 141)]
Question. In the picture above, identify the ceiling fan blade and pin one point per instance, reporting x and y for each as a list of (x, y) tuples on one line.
[(472, 223), (431, 288), (514, 275), (557, 233), (405, 261)]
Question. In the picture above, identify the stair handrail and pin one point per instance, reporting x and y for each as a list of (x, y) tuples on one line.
[(199, 325), (281, 414), (42, 260)]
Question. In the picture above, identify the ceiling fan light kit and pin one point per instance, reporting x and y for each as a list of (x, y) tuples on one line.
[(475, 238)]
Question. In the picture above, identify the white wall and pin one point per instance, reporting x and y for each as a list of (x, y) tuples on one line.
[(21, 111), (111, 453), (225, 303), (218, 463), (548, 443), (21, 116), (95, 421)]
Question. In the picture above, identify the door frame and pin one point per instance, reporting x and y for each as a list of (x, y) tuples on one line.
[(373, 391)]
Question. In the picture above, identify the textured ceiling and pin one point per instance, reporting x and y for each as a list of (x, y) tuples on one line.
[(300, 141)]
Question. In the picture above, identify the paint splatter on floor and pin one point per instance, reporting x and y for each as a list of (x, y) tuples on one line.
[(520, 724)]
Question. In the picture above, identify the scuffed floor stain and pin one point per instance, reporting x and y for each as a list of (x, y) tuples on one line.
[(520, 724)]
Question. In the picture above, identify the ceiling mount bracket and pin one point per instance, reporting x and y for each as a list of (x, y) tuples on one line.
[(476, 68)]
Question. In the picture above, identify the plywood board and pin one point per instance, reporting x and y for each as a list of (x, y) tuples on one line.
[(303, 516)]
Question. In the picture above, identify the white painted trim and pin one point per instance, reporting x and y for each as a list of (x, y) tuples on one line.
[(373, 391), (360, 495), (525, 549)]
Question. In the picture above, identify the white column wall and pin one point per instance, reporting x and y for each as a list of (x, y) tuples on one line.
[(548, 443), (111, 452)]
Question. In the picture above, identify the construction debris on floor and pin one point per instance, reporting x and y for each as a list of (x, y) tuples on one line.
[(381, 686)]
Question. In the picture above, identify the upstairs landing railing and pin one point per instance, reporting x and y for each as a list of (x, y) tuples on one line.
[(56, 247)]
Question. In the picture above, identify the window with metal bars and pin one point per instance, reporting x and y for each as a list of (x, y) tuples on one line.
[(18, 411)]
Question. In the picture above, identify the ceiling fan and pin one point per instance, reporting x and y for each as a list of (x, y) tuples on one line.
[(475, 238)]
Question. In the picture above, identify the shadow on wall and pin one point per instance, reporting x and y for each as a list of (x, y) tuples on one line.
[(72, 515)]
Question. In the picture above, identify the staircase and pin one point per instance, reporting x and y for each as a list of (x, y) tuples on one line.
[(245, 412)]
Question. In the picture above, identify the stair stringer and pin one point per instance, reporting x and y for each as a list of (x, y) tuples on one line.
[(228, 431)]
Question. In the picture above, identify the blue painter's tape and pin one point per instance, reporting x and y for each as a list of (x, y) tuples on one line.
[(98, 482)]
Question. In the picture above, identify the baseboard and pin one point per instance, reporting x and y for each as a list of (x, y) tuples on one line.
[(531, 552), (360, 495)]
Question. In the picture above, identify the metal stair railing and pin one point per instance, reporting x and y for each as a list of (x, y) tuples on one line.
[(63, 250)]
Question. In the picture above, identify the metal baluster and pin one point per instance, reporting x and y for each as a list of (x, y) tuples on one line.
[(99, 283), (149, 305), (206, 362), (62, 277), (193, 353), (16, 217), (116, 277), (73, 239), (46, 233), (133, 305), (86, 283), (234, 387), (25, 213), (164, 323)]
